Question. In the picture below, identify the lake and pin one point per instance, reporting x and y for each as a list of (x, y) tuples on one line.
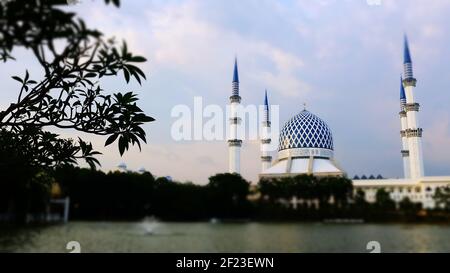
[(227, 237)]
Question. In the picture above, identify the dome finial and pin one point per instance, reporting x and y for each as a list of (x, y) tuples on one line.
[(304, 106)]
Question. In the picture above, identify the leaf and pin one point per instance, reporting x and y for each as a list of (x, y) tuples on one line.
[(91, 75), (136, 69), (138, 59), (136, 76), (148, 119), (111, 139), (17, 79), (123, 142), (126, 75), (136, 141), (93, 162), (144, 118)]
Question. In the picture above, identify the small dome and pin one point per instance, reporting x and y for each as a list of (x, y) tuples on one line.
[(305, 130)]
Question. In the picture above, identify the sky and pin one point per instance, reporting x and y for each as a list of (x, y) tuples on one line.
[(343, 58)]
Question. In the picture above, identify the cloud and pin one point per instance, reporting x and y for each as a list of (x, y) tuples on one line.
[(345, 53), (184, 41), (342, 57), (437, 140), (206, 160)]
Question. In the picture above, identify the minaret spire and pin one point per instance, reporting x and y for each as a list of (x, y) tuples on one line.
[(402, 95), (266, 107), (234, 141), (235, 83), (413, 132), (266, 159), (236, 72), (406, 53), (407, 61)]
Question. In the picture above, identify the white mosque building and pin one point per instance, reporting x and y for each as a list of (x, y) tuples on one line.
[(306, 147)]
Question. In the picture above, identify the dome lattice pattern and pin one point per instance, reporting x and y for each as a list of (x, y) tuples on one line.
[(305, 130)]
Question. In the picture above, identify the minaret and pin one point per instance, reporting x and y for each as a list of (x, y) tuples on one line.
[(413, 131), (234, 141), (266, 159), (404, 125)]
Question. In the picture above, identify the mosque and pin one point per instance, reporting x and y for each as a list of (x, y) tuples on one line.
[(305, 146)]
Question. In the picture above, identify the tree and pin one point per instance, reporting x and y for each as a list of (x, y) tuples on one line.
[(305, 187), (383, 200), (75, 59), (442, 198), (360, 199), (409, 207), (27, 158), (130, 196), (228, 195), (341, 189), (36, 149), (360, 206)]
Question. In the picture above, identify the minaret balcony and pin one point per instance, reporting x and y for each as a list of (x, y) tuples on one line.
[(266, 158), (405, 153), (412, 107), (414, 132), (235, 143), (409, 82), (266, 123), (266, 141), (402, 114), (235, 98), (235, 121)]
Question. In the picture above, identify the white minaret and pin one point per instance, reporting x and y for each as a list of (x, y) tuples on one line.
[(404, 126), (234, 141), (413, 132), (266, 159)]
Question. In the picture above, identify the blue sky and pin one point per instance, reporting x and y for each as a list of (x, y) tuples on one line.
[(343, 58)]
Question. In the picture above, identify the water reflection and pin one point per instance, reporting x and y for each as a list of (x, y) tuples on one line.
[(151, 235)]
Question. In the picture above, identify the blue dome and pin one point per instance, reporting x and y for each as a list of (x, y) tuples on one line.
[(305, 130)]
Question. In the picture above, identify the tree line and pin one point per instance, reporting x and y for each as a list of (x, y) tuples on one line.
[(128, 196)]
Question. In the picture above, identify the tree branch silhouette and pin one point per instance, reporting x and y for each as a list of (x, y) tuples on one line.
[(74, 59)]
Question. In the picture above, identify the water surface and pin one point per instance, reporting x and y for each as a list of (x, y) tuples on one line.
[(227, 237)]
